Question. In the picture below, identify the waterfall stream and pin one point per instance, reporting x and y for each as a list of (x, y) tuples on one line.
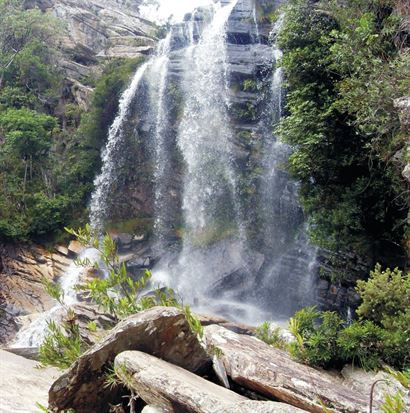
[(204, 139), (158, 84), (228, 234), (103, 183), (34, 333), (255, 21)]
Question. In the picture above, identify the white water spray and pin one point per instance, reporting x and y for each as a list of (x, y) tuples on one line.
[(204, 140), (33, 334), (159, 82), (103, 183), (255, 20)]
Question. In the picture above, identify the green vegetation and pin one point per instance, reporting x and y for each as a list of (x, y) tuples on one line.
[(267, 11), (118, 294), (380, 335), (345, 63), (394, 403), (63, 345), (49, 146), (271, 336)]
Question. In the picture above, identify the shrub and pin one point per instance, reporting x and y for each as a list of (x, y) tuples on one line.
[(385, 296), (63, 345), (316, 337), (362, 344), (381, 335), (271, 336), (118, 294)]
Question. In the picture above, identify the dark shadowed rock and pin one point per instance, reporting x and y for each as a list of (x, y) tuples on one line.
[(207, 320), (161, 331), (268, 371), (173, 389)]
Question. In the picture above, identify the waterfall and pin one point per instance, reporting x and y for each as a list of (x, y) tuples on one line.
[(255, 20), (217, 270), (285, 234), (204, 133), (34, 333), (225, 246), (275, 154), (103, 182), (158, 73), (204, 139)]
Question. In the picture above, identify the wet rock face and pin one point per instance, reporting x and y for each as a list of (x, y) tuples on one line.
[(21, 291)]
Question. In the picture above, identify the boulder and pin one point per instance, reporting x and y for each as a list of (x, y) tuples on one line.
[(362, 381), (61, 249), (161, 331), (270, 372), (252, 406), (239, 328), (173, 389), (75, 248), (139, 263), (22, 384), (151, 409), (30, 353), (34, 327)]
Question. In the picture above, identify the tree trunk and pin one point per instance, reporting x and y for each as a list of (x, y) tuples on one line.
[(25, 176)]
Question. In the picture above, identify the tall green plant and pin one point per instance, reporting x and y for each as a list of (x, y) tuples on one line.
[(380, 335), (118, 293), (344, 67)]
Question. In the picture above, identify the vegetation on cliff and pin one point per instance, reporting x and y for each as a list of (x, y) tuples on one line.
[(380, 334), (345, 63), (119, 294), (49, 145)]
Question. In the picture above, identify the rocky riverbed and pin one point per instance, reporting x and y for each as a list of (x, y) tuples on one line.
[(162, 364)]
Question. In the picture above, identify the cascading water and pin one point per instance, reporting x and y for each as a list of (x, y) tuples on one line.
[(204, 132), (210, 197), (284, 234), (229, 276), (113, 150), (158, 82), (255, 21), (245, 258), (34, 334)]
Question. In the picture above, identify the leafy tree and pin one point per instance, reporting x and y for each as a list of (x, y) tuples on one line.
[(344, 67), (381, 335), (25, 53), (385, 295), (27, 134)]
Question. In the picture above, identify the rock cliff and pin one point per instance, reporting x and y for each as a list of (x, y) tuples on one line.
[(21, 292), (93, 31)]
